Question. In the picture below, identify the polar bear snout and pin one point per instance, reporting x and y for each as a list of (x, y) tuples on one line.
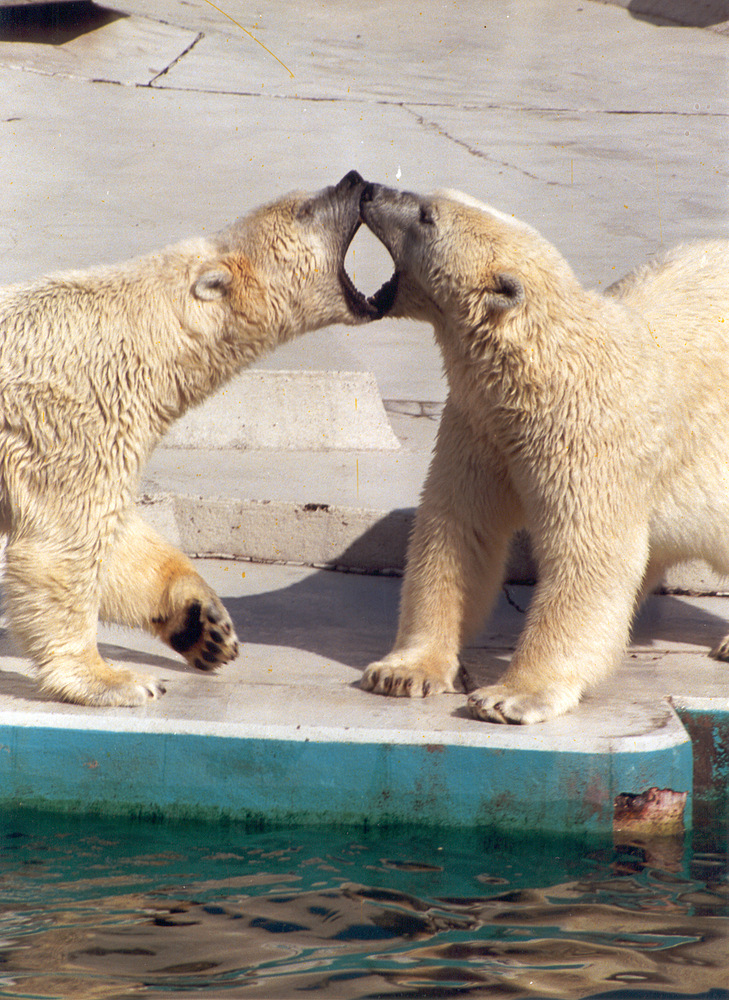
[(404, 223), (386, 213), (327, 223), (350, 181), (389, 214)]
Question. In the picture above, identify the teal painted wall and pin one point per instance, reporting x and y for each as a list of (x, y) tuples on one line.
[(709, 732), (213, 777)]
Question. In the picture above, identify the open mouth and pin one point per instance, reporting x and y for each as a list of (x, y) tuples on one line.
[(384, 298), (365, 261)]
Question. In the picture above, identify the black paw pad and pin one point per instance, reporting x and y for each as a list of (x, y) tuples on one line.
[(203, 665), (190, 632)]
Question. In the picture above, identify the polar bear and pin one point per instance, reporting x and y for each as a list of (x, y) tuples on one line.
[(597, 421), (94, 366)]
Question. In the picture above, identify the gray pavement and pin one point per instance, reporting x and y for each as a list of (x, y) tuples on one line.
[(604, 125)]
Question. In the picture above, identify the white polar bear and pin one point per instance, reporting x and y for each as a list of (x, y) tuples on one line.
[(94, 366), (599, 422)]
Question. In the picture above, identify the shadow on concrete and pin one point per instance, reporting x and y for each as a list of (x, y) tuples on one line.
[(687, 13), (352, 619), (348, 617), (25, 688), (345, 617), (665, 618), (116, 654), (21, 687), (382, 547), (53, 23)]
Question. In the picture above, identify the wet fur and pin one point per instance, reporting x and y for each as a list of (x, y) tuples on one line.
[(597, 421), (94, 367)]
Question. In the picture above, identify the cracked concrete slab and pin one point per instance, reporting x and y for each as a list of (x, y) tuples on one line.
[(480, 56), (116, 49), (604, 188)]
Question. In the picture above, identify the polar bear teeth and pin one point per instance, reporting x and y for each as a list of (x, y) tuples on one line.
[(375, 306), (357, 302)]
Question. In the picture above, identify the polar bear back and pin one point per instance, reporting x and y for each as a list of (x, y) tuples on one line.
[(691, 283)]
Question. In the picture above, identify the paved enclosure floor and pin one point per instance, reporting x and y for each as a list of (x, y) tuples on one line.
[(307, 634)]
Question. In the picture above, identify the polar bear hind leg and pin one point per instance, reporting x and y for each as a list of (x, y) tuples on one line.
[(147, 583), (52, 604)]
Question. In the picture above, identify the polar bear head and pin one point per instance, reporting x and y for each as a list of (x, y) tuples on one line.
[(457, 261), (287, 260)]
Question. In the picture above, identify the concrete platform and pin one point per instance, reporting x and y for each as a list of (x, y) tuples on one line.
[(124, 129), (285, 734)]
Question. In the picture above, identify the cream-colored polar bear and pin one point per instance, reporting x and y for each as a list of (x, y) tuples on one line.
[(94, 366), (599, 422)]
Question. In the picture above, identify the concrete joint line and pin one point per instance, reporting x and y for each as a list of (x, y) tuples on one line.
[(433, 126), (178, 59), (540, 110)]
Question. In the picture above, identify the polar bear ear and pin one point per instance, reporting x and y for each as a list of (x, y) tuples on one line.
[(211, 285), (505, 293)]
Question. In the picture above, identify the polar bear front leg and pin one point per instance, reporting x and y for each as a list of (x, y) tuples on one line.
[(575, 633), (147, 582), (84, 678), (454, 567), (51, 597)]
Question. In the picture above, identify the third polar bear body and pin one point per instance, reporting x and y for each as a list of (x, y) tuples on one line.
[(599, 422)]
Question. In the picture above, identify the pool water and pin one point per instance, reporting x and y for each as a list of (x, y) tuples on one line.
[(129, 909)]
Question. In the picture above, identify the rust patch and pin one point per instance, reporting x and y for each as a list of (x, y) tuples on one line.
[(656, 810), (649, 826)]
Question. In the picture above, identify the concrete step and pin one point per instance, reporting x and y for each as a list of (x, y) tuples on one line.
[(289, 411), (312, 468)]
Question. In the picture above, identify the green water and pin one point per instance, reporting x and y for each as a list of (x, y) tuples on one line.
[(102, 908)]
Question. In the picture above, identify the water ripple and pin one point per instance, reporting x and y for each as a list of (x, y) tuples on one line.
[(97, 909)]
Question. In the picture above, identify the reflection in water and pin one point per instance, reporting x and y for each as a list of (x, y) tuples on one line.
[(93, 908)]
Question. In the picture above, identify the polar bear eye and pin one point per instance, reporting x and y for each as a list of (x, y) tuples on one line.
[(427, 216)]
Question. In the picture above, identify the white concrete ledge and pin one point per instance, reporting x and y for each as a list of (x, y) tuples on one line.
[(304, 411)]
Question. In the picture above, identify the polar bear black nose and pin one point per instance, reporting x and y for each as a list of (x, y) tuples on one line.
[(350, 180)]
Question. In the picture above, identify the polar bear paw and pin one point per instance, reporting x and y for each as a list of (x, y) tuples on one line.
[(400, 676), (127, 689), (203, 633), (92, 681), (502, 704)]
